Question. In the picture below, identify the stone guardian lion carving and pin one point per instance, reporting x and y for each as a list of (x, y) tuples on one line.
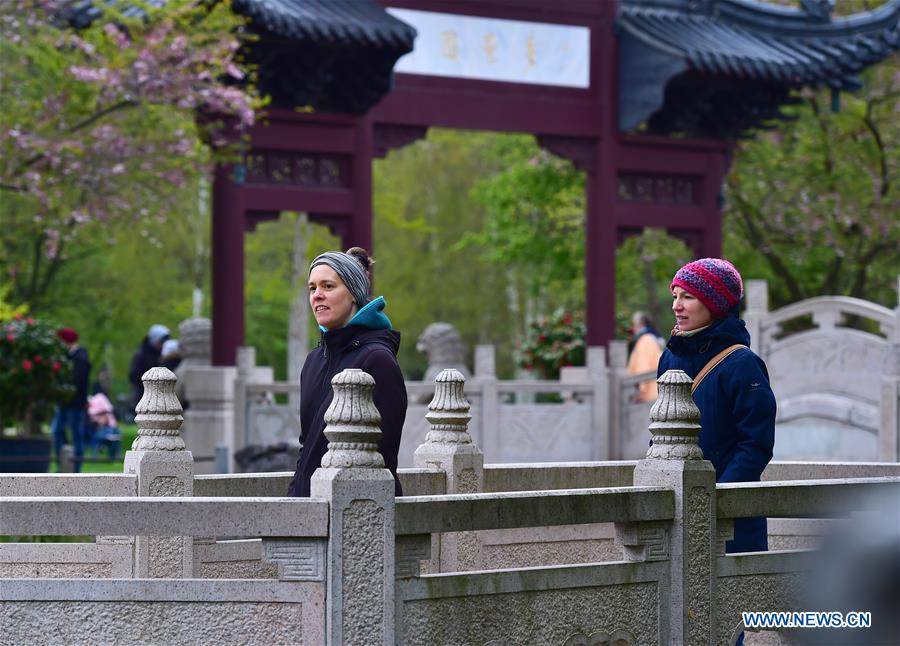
[(445, 349)]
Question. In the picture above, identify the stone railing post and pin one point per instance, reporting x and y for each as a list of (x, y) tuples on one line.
[(605, 441), (487, 433), (449, 448), (675, 460), (889, 406), (618, 368), (889, 430), (210, 419), (757, 299), (163, 468), (360, 573)]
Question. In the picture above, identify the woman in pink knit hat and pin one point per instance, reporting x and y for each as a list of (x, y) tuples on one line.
[(731, 384)]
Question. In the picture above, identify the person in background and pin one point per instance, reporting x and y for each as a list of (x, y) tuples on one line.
[(105, 429), (356, 333), (170, 355), (646, 349), (72, 413), (731, 384), (146, 357)]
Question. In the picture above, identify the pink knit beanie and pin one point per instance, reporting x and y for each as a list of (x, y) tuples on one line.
[(714, 281)]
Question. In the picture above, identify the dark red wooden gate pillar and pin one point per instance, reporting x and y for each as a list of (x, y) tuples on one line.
[(600, 247), (227, 267), (360, 234)]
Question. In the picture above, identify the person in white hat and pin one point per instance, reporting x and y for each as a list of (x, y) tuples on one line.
[(146, 357)]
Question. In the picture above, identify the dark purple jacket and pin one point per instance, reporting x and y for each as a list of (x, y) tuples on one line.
[(355, 346)]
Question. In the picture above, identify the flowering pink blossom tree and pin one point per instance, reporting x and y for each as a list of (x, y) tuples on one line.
[(98, 126)]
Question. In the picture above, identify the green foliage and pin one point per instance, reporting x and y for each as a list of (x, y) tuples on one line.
[(554, 342), (423, 208), (535, 216), (35, 372), (131, 278), (269, 266), (813, 206), (8, 310), (99, 124), (645, 265)]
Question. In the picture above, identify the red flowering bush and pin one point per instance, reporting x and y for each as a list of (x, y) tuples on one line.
[(35, 372), (553, 343)]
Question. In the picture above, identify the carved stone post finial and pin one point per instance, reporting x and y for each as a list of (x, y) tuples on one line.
[(158, 414), (689, 542), (448, 413), (449, 447), (195, 341), (352, 423), (163, 468), (675, 420), (359, 578)]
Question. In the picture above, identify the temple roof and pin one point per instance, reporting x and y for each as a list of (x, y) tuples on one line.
[(684, 61), (348, 21), (330, 55)]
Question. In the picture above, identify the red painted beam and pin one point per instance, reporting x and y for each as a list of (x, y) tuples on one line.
[(278, 198), (482, 105), (635, 214), (314, 136)]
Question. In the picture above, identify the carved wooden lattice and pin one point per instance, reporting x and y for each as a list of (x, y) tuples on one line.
[(298, 169), (667, 189)]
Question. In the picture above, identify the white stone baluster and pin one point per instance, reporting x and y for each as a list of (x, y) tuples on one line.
[(675, 420), (360, 572), (690, 543), (163, 468), (449, 447)]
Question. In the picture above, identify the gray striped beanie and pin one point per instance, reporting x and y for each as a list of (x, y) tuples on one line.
[(351, 272)]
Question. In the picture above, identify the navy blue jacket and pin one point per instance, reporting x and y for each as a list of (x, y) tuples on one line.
[(81, 371), (354, 346), (737, 412), (146, 357)]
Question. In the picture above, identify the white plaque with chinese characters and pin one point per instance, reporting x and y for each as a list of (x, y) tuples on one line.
[(491, 49)]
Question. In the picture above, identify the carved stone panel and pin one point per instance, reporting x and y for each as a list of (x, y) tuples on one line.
[(698, 565), (536, 617), (298, 560), (363, 572), (166, 553), (542, 433)]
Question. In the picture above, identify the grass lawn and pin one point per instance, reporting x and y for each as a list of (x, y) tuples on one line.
[(100, 463)]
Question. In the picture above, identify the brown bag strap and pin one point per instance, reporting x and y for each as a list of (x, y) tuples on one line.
[(716, 360)]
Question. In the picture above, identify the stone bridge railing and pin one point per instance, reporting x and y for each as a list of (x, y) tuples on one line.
[(632, 553), (837, 386)]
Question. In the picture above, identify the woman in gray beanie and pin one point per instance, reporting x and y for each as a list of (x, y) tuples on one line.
[(356, 333)]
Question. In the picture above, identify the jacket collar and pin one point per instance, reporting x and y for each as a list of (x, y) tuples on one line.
[(712, 340), (353, 336)]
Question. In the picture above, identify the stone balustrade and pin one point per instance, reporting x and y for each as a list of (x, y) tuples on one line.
[(355, 565), (164, 516)]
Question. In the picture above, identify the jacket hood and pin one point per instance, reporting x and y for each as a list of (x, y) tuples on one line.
[(718, 336), (371, 316), (368, 325)]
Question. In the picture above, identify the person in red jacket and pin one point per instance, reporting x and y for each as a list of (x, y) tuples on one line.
[(356, 333)]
